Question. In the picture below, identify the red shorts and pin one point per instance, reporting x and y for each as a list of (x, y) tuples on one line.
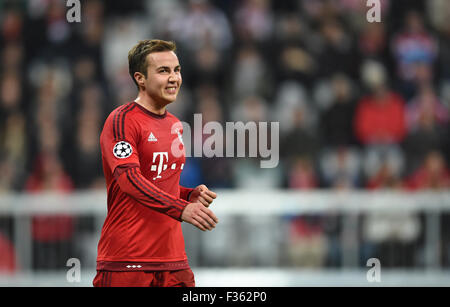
[(181, 278)]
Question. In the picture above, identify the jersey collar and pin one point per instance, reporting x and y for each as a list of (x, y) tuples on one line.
[(154, 115)]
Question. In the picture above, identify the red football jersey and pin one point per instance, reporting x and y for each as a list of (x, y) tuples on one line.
[(143, 156)]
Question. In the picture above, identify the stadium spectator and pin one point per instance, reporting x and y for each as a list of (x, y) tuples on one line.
[(380, 115), (385, 178), (86, 158), (432, 175), (411, 46), (212, 111), (337, 52), (12, 60), (254, 21), (13, 131), (295, 62), (201, 24), (290, 28), (373, 44), (12, 25), (340, 168), (391, 236), (247, 172), (444, 53), (51, 234), (438, 12), (207, 66), (250, 74), (427, 127), (8, 262), (307, 242), (291, 107), (383, 166), (426, 104), (336, 122), (302, 174), (301, 140)]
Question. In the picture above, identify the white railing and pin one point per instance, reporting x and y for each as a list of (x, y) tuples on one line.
[(248, 204), (260, 202)]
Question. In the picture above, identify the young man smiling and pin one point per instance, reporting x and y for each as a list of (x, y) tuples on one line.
[(141, 242)]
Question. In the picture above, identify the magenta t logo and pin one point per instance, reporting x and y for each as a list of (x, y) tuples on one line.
[(163, 157)]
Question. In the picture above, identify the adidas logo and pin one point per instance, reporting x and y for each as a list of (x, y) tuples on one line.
[(151, 138)]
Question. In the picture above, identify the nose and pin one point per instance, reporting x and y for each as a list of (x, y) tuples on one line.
[(174, 77)]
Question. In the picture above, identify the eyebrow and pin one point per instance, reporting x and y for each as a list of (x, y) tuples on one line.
[(167, 67)]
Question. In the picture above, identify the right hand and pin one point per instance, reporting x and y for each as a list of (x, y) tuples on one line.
[(201, 194), (199, 216)]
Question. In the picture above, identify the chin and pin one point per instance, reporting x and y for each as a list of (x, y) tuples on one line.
[(170, 99)]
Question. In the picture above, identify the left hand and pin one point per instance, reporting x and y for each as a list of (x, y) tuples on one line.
[(202, 195)]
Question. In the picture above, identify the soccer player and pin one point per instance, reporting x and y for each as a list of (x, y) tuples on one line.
[(141, 242)]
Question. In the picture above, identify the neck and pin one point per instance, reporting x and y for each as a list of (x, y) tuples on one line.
[(148, 103)]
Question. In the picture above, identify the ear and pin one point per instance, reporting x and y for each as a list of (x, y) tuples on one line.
[(140, 79)]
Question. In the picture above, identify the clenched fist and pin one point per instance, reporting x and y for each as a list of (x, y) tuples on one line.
[(202, 195)]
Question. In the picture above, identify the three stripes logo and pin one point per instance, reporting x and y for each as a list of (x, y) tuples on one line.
[(151, 138), (119, 121)]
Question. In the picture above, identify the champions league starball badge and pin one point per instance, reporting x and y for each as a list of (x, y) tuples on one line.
[(122, 150)]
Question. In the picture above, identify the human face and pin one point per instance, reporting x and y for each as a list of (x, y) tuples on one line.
[(163, 80)]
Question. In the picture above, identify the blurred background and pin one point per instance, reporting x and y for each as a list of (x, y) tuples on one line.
[(364, 135)]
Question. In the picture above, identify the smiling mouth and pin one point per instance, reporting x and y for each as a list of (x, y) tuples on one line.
[(171, 89)]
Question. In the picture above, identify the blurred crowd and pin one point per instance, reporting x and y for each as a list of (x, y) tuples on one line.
[(360, 105)]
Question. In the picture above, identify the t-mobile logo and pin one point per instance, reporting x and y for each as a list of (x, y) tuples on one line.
[(159, 165), (163, 157)]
